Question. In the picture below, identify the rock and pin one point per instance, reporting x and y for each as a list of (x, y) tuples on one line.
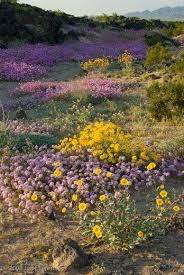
[(68, 256)]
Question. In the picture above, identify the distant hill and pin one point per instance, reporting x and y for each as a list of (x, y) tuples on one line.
[(166, 13), (22, 22)]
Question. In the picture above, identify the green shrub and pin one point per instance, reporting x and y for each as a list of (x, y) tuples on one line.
[(11, 142), (166, 100), (178, 66), (22, 140), (121, 225), (157, 55), (152, 38)]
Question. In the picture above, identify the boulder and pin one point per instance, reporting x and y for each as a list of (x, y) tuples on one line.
[(69, 256)]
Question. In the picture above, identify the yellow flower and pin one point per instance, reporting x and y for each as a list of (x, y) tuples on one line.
[(53, 194), (176, 208), (159, 202), (63, 210), (144, 156), (109, 174), (93, 213), (140, 234), (58, 173), (96, 229), (169, 201), (162, 186), (163, 194), (102, 197), (57, 164), (79, 182), (74, 197), (134, 158), (98, 235), (151, 166), (98, 171), (34, 197), (82, 206), (124, 182), (46, 256), (61, 201)]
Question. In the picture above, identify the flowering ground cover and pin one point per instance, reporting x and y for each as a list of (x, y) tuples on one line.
[(97, 87), (51, 182), (33, 61)]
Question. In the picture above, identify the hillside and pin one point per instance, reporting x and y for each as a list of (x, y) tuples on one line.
[(165, 13), (22, 22)]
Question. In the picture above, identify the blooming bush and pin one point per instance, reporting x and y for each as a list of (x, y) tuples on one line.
[(126, 58), (108, 142), (119, 223), (96, 64), (20, 71)]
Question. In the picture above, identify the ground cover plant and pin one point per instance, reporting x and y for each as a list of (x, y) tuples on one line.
[(33, 61), (92, 149)]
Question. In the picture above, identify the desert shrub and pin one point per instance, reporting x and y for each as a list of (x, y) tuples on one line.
[(21, 142), (118, 223), (157, 55), (154, 38), (173, 29), (178, 66), (166, 100), (98, 64), (126, 60), (35, 139), (75, 118)]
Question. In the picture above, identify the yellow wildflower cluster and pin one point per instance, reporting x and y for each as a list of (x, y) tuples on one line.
[(126, 58), (97, 230), (96, 64), (163, 200), (108, 142)]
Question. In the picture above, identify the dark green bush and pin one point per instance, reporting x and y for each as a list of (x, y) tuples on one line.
[(152, 38), (174, 28), (166, 100), (157, 55), (23, 142)]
